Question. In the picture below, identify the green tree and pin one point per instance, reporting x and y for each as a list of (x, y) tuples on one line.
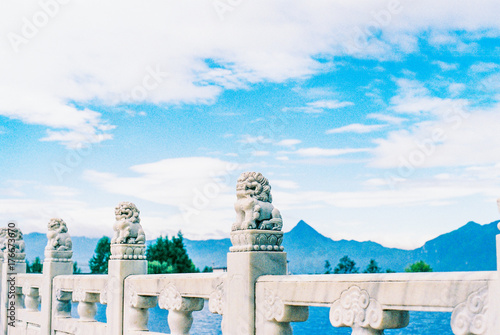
[(99, 262), (328, 267), (372, 267), (346, 265), (419, 266), (76, 269), (390, 271), (35, 267), (169, 256), (208, 269)]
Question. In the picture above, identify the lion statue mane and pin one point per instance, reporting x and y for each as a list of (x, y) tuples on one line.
[(128, 229), (254, 209), (58, 237)]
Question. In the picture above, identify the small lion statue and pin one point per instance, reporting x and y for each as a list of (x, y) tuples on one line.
[(58, 237), (7, 234), (127, 227), (254, 209)]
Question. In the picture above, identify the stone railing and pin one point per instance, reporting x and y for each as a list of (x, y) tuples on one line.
[(180, 294), (86, 291), (255, 296)]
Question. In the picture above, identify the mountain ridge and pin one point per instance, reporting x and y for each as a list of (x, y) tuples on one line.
[(471, 247)]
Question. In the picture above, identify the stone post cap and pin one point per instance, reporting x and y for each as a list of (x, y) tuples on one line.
[(129, 239)]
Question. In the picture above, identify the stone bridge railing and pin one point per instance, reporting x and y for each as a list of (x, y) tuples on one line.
[(255, 296)]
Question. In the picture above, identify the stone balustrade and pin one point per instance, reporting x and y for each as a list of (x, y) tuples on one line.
[(254, 297), (87, 291), (180, 294), (374, 302)]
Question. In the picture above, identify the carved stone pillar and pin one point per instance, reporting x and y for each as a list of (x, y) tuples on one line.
[(87, 308), (58, 253), (136, 313), (127, 258), (31, 298), (12, 246), (256, 237), (180, 309), (364, 315), (61, 303)]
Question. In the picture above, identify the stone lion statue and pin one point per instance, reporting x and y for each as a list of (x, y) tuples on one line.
[(253, 206), (58, 237), (127, 227), (12, 233), (3, 238)]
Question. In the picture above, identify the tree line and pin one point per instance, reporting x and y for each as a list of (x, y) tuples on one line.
[(347, 265), (164, 256)]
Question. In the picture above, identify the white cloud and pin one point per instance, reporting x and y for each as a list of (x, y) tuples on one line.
[(249, 139), (283, 183), (356, 128), (198, 191), (445, 66), (449, 133), (481, 67), (320, 152), (158, 53), (260, 153), (329, 104), (316, 107), (386, 118), (289, 142)]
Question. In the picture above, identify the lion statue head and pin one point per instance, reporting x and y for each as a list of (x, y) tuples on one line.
[(57, 226), (253, 185), (127, 211)]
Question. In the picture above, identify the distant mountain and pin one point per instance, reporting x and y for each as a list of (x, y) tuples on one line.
[(83, 248), (469, 248)]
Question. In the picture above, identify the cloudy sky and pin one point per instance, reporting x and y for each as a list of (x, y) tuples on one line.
[(373, 120)]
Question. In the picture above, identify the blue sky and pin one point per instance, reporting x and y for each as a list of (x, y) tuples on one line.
[(373, 120)]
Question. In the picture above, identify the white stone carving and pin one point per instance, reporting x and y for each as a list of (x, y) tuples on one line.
[(31, 297), (170, 299), (471, 317), (254, 209), (216, 300), (180, 309), (356, 309), (258, 224), (256, 240), (129, 238), (128, 229), (59, 243), (274, 308)]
